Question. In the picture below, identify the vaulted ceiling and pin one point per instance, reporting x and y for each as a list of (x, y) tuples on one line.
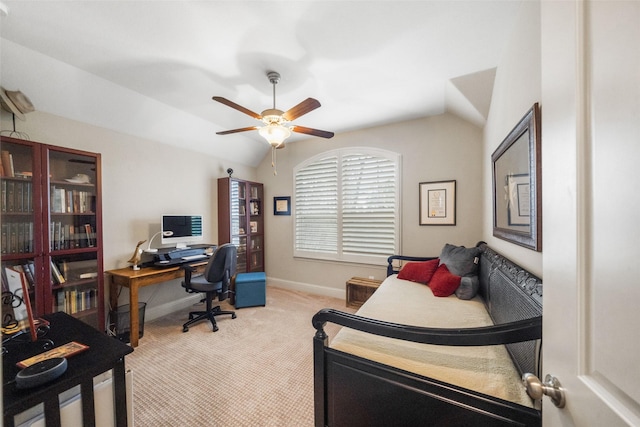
[(156, 64)]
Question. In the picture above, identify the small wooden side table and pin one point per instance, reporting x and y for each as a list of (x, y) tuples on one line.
[(359, 289)]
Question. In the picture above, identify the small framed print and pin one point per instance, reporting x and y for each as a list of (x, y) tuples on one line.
[(438, 203), (282, 205)]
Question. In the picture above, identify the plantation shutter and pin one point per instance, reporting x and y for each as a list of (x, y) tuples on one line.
[(368, 205), (347, 206), (316, 207)]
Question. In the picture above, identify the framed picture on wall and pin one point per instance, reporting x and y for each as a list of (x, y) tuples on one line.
[(438, 203), (282, 205), (517, 186)]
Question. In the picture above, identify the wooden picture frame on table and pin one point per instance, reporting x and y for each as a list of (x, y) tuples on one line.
[(438, 203)]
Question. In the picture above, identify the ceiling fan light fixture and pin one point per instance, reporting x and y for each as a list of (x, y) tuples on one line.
[(274, 133)]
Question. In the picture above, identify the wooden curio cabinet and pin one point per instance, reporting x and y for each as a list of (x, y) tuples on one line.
[(241, 221), (52, 228)]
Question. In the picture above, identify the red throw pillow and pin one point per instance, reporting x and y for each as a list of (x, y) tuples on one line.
[(420, 272), (444, 283)]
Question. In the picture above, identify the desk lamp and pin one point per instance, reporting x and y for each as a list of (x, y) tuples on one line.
[(166, 234)]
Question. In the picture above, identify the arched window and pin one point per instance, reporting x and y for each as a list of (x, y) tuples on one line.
[(347, 206)]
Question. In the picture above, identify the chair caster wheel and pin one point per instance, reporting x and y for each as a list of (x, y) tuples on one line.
[(185, 329), (215, 329), (233, 316)]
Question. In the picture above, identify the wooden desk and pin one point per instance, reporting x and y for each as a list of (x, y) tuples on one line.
[(135, 279), (104, 353)]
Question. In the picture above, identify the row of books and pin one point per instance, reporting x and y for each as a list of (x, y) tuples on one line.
[(16, 196), (69, 236), (75, 300), (66, 200), (17, 237)]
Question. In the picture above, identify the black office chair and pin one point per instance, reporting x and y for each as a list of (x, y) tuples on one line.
[(215, 281)]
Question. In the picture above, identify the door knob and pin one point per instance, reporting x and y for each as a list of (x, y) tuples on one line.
[(550, 387)]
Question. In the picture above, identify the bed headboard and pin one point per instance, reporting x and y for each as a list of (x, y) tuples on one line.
[(511, 293)]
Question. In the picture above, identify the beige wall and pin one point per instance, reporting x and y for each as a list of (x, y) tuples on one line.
[(433, 149), (141, 180), (517, 87)]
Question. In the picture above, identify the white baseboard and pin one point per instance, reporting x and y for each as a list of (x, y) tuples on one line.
[(306, 287), (161, 310)]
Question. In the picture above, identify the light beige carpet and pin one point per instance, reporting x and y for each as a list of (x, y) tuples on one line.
[(257, 370)]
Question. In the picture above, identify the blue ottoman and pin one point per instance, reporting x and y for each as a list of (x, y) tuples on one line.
[(251, 289)]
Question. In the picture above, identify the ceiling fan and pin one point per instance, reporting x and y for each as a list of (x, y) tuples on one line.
[(275, 130)]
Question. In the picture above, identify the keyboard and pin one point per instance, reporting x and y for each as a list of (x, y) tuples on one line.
[(193, 257)]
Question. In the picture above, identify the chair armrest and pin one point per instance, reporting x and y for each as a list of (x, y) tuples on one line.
[(506, 333), (391, 270), (188, 272)]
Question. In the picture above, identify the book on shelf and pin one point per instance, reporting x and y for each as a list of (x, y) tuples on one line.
[(56, 274), (89, 235), (7, 163)]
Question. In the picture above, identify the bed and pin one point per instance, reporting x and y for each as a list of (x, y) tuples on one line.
[(409, 358)]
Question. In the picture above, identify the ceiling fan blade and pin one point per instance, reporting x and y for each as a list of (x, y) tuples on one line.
[(314, 132), (304, 107), (240, 108), (227, 132)]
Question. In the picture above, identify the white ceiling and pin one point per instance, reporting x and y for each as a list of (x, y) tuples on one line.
[(367, 62)]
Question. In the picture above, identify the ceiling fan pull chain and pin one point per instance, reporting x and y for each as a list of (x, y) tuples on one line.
[(273, 160)]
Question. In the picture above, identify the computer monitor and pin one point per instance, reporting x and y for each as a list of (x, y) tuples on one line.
[(185, 228)]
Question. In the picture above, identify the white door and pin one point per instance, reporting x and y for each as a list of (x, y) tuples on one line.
[(591, 209)]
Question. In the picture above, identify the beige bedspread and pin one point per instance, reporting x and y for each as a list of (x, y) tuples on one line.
[(486, 369)]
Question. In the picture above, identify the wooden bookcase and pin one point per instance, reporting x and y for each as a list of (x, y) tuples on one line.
[(52, 228), (241, 221)]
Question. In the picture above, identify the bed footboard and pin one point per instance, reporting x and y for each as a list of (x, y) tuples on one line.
[(353, 391)]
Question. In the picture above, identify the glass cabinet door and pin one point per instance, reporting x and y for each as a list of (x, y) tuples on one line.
[(20, 230), (256, 228), (75, 262)]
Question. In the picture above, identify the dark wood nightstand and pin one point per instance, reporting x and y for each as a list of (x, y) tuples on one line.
[(359, 289)]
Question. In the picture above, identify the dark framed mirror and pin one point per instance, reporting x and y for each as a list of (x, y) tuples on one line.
[(517, 190)]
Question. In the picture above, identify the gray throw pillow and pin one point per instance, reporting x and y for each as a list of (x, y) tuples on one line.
[(461, 261), (468, 287)]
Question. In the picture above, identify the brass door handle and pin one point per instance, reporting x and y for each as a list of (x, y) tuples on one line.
[(550, 387)]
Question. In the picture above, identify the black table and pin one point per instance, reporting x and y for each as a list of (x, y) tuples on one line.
[(104, 353)]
